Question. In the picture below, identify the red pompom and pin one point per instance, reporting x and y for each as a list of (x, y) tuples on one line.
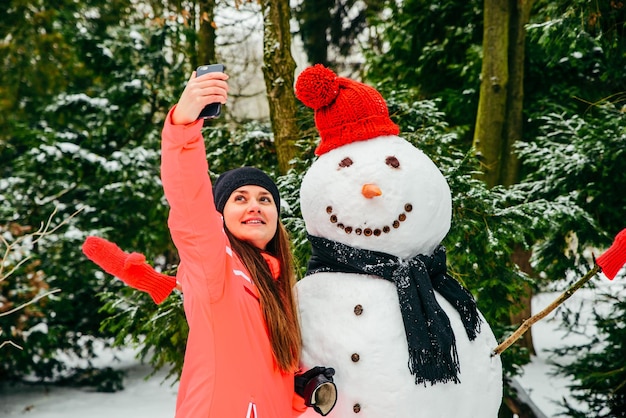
[(317, 86)]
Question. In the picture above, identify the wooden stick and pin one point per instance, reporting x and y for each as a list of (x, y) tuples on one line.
[(537, 317)]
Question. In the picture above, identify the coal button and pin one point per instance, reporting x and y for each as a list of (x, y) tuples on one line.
[(358, 309)]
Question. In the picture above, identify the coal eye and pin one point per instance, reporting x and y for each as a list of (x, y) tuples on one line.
[(392, 162), (346, 162)]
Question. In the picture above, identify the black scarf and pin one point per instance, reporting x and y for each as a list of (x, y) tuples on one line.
[(432, 348)]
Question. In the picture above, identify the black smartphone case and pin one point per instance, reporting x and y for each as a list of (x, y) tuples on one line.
[(211, 110)]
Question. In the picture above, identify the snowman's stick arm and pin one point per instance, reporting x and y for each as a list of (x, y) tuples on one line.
[(539, 316), (609, 263)]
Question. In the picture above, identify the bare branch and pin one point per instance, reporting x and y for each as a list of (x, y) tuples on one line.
[(9, 343), (45, 229), (30, 302), (539, 316)]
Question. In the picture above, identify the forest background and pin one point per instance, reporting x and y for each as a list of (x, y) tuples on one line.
[(521, 104)]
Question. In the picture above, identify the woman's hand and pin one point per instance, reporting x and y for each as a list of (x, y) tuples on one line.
[(199, 92)]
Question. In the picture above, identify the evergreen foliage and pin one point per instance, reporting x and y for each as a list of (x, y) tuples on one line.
[(586, 155), (573, 106), (575, 56), (434, 47), (598, 368), (80, 123), (92, 147)]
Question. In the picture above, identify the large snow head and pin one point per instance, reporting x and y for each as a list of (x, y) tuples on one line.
[(369, 188)]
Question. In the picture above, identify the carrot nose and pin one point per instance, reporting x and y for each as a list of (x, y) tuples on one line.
[(371, 190)]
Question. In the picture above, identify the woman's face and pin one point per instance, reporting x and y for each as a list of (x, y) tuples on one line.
[(250, 215)]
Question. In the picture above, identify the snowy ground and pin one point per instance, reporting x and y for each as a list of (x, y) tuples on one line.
[(156, 398)]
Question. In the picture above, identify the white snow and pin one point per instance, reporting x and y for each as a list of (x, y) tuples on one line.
[(140, 398)]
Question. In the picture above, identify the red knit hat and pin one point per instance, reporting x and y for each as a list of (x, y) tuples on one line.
[(345, 110)]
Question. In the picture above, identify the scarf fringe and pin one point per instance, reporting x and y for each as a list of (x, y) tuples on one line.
[(427, 369)]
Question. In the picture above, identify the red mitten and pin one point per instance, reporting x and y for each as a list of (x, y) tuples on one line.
[(132, 268), (615, 257)]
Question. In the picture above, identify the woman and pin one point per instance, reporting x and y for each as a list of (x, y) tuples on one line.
[(236, 272)]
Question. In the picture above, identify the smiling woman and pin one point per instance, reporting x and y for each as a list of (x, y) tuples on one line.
[(236, 272), (250, 215), (250, 203), (237, 277)]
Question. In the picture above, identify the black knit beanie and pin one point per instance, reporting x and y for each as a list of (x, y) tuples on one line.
[(231, 180)]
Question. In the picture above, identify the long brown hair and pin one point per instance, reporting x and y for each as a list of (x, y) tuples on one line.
[(276, 296)]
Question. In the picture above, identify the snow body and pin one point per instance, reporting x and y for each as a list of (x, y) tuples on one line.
[(352, 322)]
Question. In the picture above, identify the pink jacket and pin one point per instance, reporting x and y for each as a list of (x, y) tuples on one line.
[(229, 370)]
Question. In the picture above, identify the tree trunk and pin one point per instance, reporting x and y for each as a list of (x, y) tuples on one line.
[(520, 15), (492, 109), (499, 120), (206, 33), (278, 70)]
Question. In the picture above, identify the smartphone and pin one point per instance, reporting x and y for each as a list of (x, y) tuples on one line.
[(212, 110)]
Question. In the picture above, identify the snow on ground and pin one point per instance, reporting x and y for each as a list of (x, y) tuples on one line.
[(156, 398), (141, 398)]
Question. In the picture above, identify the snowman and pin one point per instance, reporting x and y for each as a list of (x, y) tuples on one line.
[(405, 339)]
